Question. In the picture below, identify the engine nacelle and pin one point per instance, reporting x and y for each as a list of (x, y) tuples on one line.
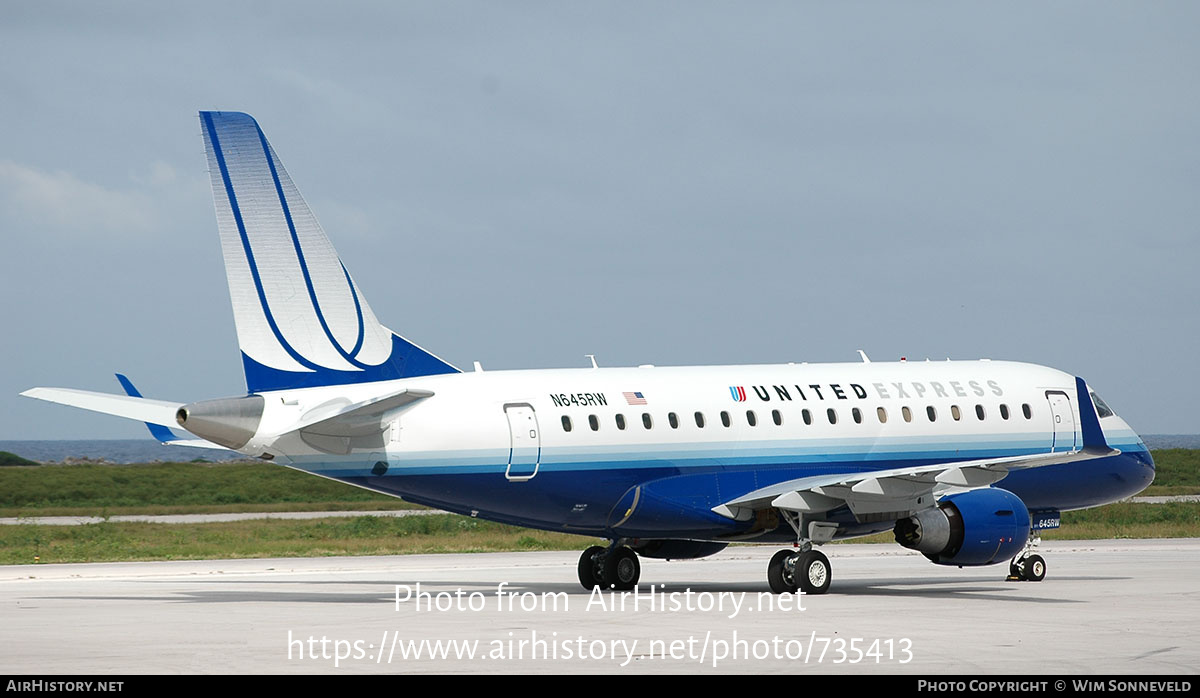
[(230, 421), (980, 527), (677, 549)]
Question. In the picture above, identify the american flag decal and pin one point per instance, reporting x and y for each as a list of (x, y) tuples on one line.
[(635, 398)]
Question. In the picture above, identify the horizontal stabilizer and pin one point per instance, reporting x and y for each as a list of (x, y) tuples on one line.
[(142, 409), (161, 433)]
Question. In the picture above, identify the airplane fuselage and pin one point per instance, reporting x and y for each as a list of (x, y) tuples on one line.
[(649, 452)]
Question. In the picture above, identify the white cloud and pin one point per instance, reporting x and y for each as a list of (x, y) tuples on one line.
[(62, 202)]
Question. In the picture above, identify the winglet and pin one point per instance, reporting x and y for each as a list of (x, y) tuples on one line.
[(158, 431), (1089, 422)]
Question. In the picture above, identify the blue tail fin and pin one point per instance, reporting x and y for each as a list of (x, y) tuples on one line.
[(158, 431), (301, 320)]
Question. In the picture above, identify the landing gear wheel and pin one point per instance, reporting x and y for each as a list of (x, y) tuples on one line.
[(588, 568), (1014, 571), (779, 573), (622, 569), (813, 572), (1033, 569)]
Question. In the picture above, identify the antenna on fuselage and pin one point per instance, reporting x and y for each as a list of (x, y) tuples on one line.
[(865, 358), (593, 358)]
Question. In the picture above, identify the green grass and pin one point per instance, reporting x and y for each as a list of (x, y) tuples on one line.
[(200, 488), (439, 533), (1125, 520), (1176, 471), (363, 535), (110, 490), (175, 488)]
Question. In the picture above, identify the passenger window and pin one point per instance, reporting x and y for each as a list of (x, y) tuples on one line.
[(832, 414), (1003, 411), (1027, 410), (778, 417), (807, 416), (979, 413), (882, 414), (674, 421), (751, 418), (621, 422), (954, 412), (857, 414), (566, 423), (646, 421), (907, 414), (593, 422), (725, 418), (931, 411), (700, 419)]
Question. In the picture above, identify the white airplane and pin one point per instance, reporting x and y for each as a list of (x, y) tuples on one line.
[(966, 461)]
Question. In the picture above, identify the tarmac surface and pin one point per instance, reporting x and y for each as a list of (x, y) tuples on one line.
[(1113, 607)]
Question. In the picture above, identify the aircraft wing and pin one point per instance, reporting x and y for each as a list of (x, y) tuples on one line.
[(893, 493), (885, 494)]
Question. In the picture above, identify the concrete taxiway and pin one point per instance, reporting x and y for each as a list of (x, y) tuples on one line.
[(1105, 607)]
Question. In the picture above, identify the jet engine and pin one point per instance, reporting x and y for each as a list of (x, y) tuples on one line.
[(979, 527), (230, 422)]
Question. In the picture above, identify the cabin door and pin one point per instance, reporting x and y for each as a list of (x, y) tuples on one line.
[(1064, 421), (525, 449)]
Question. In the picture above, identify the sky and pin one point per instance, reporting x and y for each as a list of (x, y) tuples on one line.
[(524, 183)]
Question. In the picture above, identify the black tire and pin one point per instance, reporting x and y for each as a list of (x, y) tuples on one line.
[(1033, 569), (622, 569), (813, 573), (587, 567), (779, 575)]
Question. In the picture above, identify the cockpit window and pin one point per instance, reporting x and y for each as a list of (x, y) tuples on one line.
[(1102, 410)]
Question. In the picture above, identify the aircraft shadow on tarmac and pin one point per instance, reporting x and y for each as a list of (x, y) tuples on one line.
[(378, 591)]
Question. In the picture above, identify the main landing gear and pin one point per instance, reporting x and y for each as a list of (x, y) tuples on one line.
[(804, 570), (615, 567), (1027, 567)]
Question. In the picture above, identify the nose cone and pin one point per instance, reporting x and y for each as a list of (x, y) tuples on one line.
[(1140, 470)]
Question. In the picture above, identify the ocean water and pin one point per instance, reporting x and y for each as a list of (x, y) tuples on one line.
[(148, 451)]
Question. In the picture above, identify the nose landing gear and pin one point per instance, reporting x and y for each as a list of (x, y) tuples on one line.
[(1028, 567)]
